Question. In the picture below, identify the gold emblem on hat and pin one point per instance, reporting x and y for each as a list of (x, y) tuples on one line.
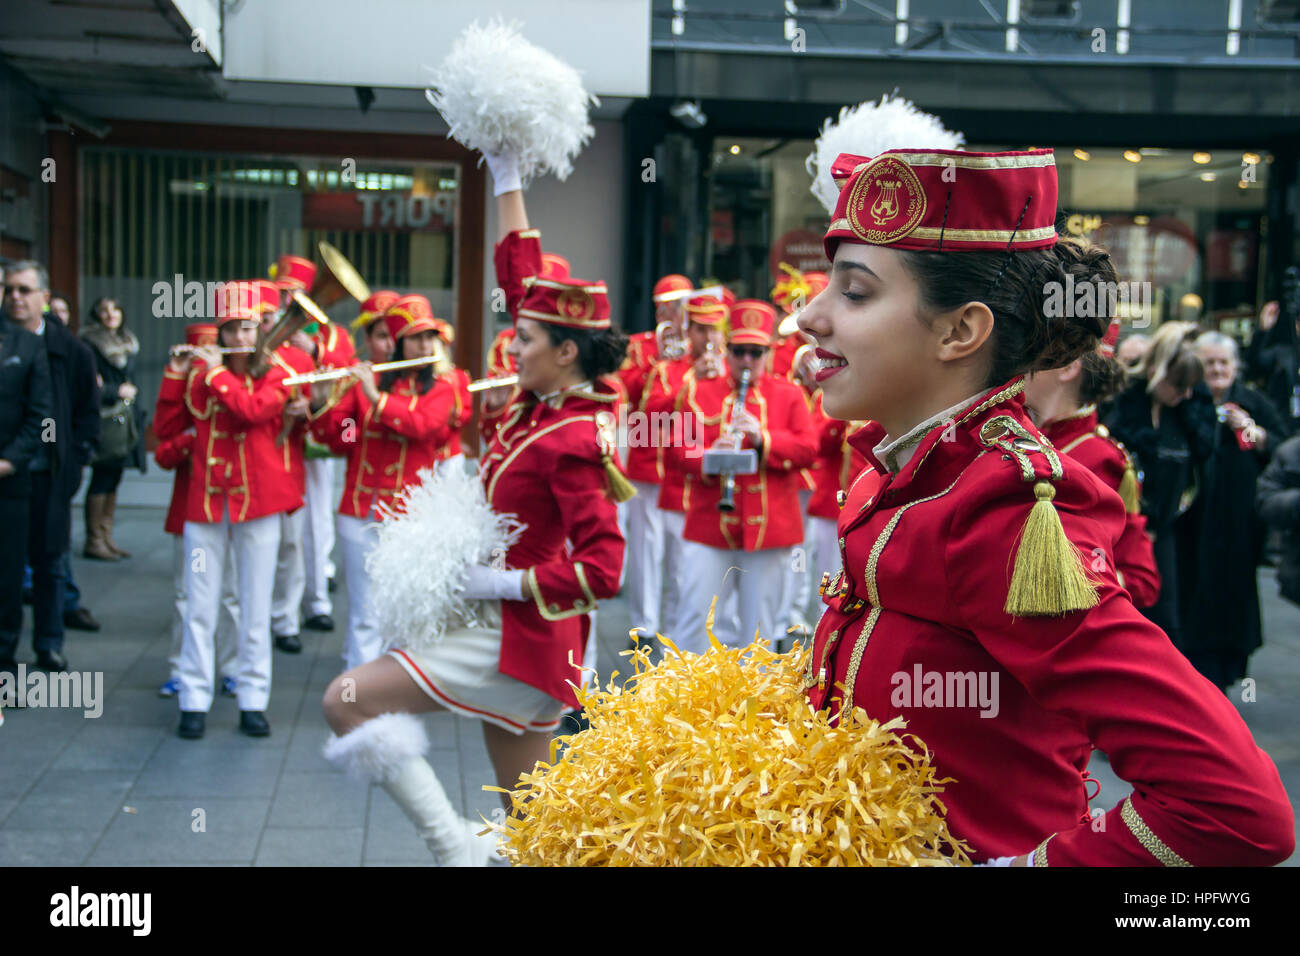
[(751, 319), (886, 201), (576, 305)]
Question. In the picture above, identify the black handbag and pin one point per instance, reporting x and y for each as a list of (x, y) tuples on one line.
[(118, 433)]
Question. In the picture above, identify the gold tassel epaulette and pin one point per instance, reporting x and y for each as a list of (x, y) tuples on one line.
[(1130, 489), (620, 489), (1048, 578)]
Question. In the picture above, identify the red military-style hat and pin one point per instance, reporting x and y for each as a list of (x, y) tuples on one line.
[(752, 322), (293, 272), (707, 310), (268, 296), (672, 287), (239, 300), (372, 310), (945, 200), (201, 333), (410, 314), (554, 266), (572, 303), (728, 297)]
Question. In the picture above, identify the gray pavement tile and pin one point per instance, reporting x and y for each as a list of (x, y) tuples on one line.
[(210, 772), (326, 846), (45, 847), (107, 747), (71, 799), (399, 863), (6, 806), (319, 800), (140, 707), (390, 836), (162, 831), (19, 777)]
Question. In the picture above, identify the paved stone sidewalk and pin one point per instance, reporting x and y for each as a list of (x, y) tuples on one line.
[(124, 790)]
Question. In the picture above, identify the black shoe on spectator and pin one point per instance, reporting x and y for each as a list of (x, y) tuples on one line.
[(191, 727), (331, 584), (253, 723), (27, 596), (319, 622), (288, 643), (51, 661), (80, 620)]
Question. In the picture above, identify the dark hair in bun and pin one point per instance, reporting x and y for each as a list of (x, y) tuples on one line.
[(599, 352), (1021, 289)]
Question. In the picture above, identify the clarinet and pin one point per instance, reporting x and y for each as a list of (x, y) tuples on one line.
[(728, 500)]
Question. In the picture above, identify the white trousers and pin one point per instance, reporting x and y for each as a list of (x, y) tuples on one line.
[(227, 627), (822, 542), (643, 566), (318, 537), (290, 577), (753, 576), (207, 546), (357, 538)]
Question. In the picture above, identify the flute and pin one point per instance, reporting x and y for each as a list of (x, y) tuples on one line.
[(179, 350), (330, 374)]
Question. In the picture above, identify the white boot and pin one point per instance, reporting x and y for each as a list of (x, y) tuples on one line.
[(388, 750)]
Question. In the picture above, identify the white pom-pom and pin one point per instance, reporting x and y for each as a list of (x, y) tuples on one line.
[(500, 93), (869, 129), (435, 530)]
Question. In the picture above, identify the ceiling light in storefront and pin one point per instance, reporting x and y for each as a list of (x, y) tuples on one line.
[(735, 149), (1208, 177), (1200, 159), (1133, 156), (1082, 155), (1242, 184), (1154, 151), (1141, 220), (1250, 159)]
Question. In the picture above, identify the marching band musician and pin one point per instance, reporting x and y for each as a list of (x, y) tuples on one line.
[(237, 493), (790, 295), (388, 429), (966, 544), (370, 323), (174, 455), (552, 462), (1063, 403), (748, 549)]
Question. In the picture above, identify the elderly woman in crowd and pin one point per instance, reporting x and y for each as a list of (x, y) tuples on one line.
[(115, 348), (1225, 538)]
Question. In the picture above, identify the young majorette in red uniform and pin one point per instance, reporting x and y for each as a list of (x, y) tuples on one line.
[(237, 493), (551, 460), (746, 550), (174, 455), (1063, 403), (389, 429), (966, 543)]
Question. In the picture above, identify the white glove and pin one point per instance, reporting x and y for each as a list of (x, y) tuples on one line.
[(489, 584), (505, 172), (998, 861)]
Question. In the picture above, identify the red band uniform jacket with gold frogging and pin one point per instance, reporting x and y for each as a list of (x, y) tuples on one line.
[(659, 400), (1090, 444), (236, 468), (292, 360), (544, 463), (929, 553), (387, 443), (767, 511)]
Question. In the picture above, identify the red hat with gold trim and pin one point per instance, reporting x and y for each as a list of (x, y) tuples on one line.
[(817, 283), (752, 322), (554, 266), (572, 303), (268, 296), (728, 297), (201, 333), (945, 200), (239, 300), (672, 287), (410, 314), (372, 310), (293, 272), (707, 310), (1106, 347)]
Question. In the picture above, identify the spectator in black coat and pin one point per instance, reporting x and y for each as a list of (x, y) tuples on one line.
[(115, 348), (1273, 360), (68, 440), (1166, 419), (1277, 496)]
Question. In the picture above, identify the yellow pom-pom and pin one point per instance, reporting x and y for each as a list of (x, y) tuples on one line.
[(1049, 578), (719, 760)]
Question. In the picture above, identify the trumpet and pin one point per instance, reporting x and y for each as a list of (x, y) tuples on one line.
[(336, 281), (331, 374), (176, 351), (728, 463)]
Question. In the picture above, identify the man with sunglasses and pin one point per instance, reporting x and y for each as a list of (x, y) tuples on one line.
[(66, 440), (746, 550)]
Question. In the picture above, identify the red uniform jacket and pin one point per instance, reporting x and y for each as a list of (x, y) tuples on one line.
[(292, 444), (767, 511), (387, 443), (928, 553), (462, 402), (174, 454), (1090, 444), (544, 464), (500, 362), (334, 347), (637, 368), (237, 467), (659, 396)]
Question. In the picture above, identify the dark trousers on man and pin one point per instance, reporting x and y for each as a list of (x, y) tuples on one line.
[(13, 518), (48, 576)]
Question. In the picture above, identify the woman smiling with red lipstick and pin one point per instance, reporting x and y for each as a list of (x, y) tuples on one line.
[(968, 542)]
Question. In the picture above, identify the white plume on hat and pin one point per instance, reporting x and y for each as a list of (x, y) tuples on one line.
[(501, 94), (435, 530), (869, 129)]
